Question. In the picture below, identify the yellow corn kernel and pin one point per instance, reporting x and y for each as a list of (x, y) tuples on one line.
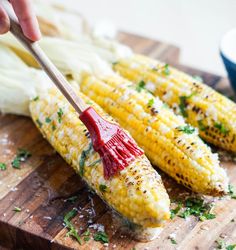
[(203, 107), (167, 140), (137, 192)]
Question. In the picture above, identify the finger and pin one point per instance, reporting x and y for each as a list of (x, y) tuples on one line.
[(27, 19), (4, 21)]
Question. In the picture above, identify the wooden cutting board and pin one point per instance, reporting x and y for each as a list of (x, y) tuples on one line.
[(42, 185)]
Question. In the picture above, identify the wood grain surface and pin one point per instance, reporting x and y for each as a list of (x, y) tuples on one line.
[(44, 182)]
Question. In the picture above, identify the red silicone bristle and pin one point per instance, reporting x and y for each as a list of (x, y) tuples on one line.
[(116, 148), (118, 153)]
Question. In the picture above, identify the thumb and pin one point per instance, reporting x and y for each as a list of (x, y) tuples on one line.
[(4, 21)]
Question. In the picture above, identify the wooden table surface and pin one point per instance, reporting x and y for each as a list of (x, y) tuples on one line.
[(40, 188)]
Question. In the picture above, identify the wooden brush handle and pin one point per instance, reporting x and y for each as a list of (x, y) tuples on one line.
[(34, 48)]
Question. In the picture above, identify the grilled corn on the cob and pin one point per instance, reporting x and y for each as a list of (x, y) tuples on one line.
[(166, 139), (136, 192), (211, 112)]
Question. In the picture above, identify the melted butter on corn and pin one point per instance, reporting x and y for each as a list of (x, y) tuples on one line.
[(211, 112), (137, 192), (183, 156)]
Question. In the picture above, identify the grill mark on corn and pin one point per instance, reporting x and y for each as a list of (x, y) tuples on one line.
[(178, 83), (101, 91), (176, 121), (126, 198)]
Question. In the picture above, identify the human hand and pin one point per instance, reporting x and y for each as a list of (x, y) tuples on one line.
[(26, 17)]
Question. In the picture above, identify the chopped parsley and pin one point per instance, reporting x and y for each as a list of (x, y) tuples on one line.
[(182, 106), (36, 98), (86, 235), (16, 163), (40, 124), (221, 128), (54, 127), (183, 103), (60, 114), (198, 208), (83, 157), (3, 166), (89, 102), (166, 70), (222, 245), (72, 198), (102, 188), (16, 209), (231, 247), (72, 231), (101, 236), (95, 162), (140, 86), (22, 156), (173, 241), (201, 126), (231, 192), (150, 102), (186, 129), (207, 216), (193, 206), (175, 211), (86, 238), (198, 78), (48, 120)]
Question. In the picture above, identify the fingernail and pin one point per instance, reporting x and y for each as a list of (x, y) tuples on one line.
[(37, 34), (31, 30)]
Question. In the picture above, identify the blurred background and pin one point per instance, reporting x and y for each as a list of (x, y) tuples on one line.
[(195, 26)]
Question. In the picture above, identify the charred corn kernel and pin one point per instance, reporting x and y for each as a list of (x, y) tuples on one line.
[(136, 192), (203, 107), (166, 139)]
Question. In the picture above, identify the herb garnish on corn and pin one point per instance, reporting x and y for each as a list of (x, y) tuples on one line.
[(167, 140), (213, 113), (137, 192)]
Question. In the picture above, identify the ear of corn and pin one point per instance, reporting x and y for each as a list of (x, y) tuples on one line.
[(211, 112), (204, 189), (137, 192), (166, 139)]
